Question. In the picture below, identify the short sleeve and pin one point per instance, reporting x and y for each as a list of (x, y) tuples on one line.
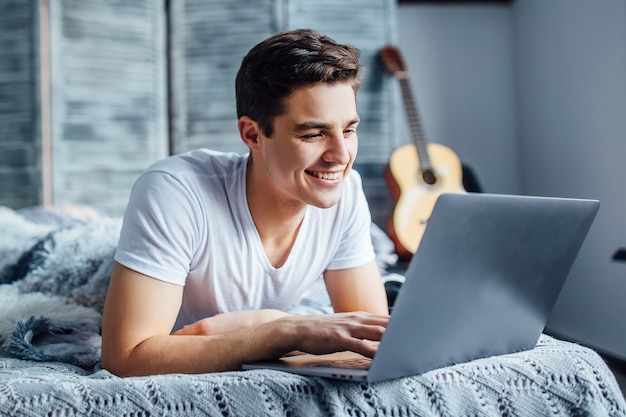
[(160, 229)]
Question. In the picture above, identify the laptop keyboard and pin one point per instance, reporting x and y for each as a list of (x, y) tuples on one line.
[(355, 363)]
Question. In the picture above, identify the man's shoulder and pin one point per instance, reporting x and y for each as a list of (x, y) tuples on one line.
[(200, 162)]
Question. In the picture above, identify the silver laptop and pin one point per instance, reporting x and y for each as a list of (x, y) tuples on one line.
[(483, 282)]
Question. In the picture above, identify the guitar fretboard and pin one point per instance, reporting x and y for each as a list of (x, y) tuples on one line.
[(415, 123)]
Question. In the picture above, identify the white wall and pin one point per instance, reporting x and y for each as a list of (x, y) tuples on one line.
[(571, 66), (460, 62), (533, 96)]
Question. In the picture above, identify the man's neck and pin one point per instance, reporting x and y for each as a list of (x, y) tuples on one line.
[(277, 221)]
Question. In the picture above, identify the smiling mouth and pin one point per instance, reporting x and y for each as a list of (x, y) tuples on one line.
[(325, 175)]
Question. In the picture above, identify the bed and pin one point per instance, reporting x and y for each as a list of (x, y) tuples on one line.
[(54, 271)]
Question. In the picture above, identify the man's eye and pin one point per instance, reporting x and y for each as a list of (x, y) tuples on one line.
[(311, 136), (349, 132)]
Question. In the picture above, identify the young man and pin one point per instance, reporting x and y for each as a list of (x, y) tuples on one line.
[(216, 246)]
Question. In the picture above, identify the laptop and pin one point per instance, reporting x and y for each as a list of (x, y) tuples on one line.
[(483, 282)]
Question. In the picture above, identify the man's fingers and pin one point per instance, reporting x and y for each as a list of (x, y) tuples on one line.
[(364, 347), (368, 332)]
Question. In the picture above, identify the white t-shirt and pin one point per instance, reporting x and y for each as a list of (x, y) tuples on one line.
[(188, 223)]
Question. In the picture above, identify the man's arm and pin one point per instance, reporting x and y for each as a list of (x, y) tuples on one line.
[(140, 311), (357, 289)]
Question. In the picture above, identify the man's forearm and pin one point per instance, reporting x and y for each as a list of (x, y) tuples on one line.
[(199, 353), (228, 351)]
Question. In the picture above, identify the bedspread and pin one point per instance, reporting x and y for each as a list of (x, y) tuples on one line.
[(556, 378)]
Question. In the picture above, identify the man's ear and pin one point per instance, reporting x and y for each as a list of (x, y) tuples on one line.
[(249, 132)]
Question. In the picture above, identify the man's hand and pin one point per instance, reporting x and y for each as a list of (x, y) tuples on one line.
[(321, 334)]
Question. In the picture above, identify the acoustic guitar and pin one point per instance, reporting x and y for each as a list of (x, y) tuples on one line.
[(418, 172)]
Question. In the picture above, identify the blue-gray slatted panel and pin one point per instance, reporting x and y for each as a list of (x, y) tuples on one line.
[(19, 147), (209, 39), (109, 86), (109, 98)]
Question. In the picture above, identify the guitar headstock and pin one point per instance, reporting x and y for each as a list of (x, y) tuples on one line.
[(394, 63)]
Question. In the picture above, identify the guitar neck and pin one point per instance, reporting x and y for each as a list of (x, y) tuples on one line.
[(415, 123)]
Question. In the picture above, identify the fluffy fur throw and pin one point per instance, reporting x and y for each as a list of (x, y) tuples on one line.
[(54, 272)]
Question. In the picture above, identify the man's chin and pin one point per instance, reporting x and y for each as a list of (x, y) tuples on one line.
[(325, 197), (326, 202)]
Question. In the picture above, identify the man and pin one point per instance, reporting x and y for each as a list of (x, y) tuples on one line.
[(215, 246)]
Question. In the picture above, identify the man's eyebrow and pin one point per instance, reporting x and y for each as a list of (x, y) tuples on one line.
[(321, 125), (311, 125)]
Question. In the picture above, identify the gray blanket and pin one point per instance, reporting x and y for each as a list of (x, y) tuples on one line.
[(53, 280), (554, 379)]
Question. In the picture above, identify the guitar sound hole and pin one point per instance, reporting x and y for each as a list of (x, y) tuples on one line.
[(429, 177)]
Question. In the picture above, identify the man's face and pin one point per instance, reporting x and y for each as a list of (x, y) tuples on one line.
[(313, 145)]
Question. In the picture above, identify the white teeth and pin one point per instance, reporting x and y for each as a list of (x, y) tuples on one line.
[(326, 175)]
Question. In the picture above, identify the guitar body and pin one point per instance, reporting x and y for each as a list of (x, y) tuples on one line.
[(414, 198)]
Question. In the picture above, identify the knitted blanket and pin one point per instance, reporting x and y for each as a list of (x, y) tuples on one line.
[(53, 277), (554, 379)]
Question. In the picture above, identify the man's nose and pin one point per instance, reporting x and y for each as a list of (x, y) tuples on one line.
[(338, 149)]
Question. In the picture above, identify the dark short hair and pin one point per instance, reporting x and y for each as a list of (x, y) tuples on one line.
[(272, 69)]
